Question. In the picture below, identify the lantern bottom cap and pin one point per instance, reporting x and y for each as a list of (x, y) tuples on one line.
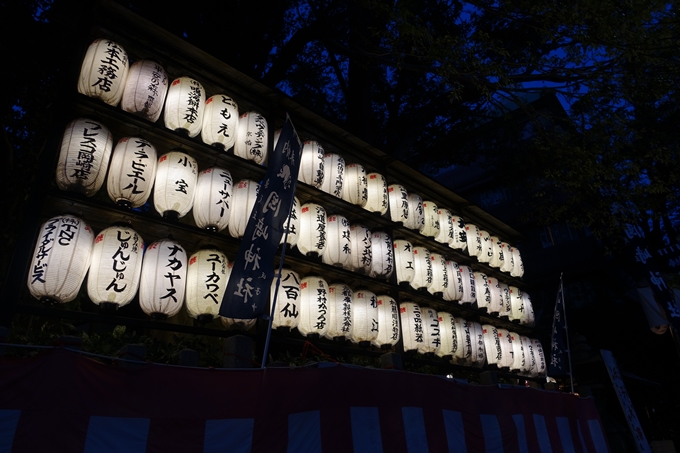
[(364, 344), (124, 203), (313, 336), (109, 306), (283, 329), (204, 318), (47, 300), (159, 316), (171, 215), (211, 229), (339, 339), (386, 347)]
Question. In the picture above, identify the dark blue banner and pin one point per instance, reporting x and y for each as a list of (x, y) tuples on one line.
[(559, 343), (247, 292)]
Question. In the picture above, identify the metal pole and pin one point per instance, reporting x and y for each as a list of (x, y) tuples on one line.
[(566, 329)]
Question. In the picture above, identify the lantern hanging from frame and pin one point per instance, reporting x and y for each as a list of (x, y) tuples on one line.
[(212, 199), (422, 277), (220, 122), (291, 224), (312, 164), (403, 261), (184, 106), (340, 308), (355, 188), (447, 334), (313, 223), (377, 199), (454, 290), (483, 291), (517, 264), (492, 343), (113, 279), (505, 297), (462, 353), (364, 317), (411, 319), (145, 90), (516, 304), (175, 183), (242, 204), (486, 253), (541, 369), (207, 278), (474, 240), (84, 156), (389, 329), (382, 255), (415, 220), (530, 367), (333, 174), (459, 241), (508, 261), (496, 252), (479, 353), (252, 138), (506, 346), (398, 201), (287, 310), (61, 259), (132, 172), (338, 250), (496, 303), (431, 225), (163, 279), (517, 352), (528, 312), (361, 256), (313, 307), (432, 337), (440, 275), (104, 71), (445, 234), (469, 295)]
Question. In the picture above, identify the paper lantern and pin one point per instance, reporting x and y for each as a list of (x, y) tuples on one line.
[(312, 237), (212, 199), (312, 164), (252, 138), (313, 307), (287, 310), (469, 294), (398, 201), (474, 350), (334, 174), (403, 261), (116, 266), (508, 261), (60, 260), (492, 343), (364, 317), (412, 325), (175, 183), (184, 106), (389, 330), (104, 71), (422, 277), (292, 224), (496, 304), (459, 240), (517, 352), (431, 225), (338, 250), (220, 122), (132, 173), (462, 354), (145, 90), (163, 280), (479, 352), (206, 282), (454, 290), (474, 240), (517, 264), (416, 219), (496, 252), (362, 249), (530, 366), (541, 369), (431, 333), (376, 188), (382, 255), (483, 291), (506, 346), (485, 255), (84, 156), (447, 333), (242, 204), (528, 313), (445, 234), (355, 188), (340, 308), (516, 304), (440, 275), (505, 298)]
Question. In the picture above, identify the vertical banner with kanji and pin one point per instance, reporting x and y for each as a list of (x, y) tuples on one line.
[(558, 365), (247, 292)]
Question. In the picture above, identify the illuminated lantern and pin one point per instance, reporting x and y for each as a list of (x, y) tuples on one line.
[(113, 278), (506, 346), (377, 199), (529, 357), (517, 352), (207, 278), (459, 240), (411, 325), (132, 172), (389, 330), (242, 204), (334, 173), (496, 303), (485, 255), (340, 308), (287, 310), (447, 333), (398, 201), (382, 255), (184, 106), (175, 183), (462, 354), (478, 352), (104, 71), (508, 261), (212, 198), (422, 277), (220, 122), (338, 250), (312, 164), (454, 290), (474, 240), (145, 89), (403, 261), (517, 265), (362, 249), (252, 138), (84, 156), (516, 304), (364, 317), (61, 259), (483, 291), (432, 338), (492, 343), (163, 280), (292, 224), (440, 276), (541, 369), (505, 297), (469, 287), (496, 252), (355, 188), (445, 235), (416, 219), (312, 237), (313, 307), (528, 313), (431, 225)]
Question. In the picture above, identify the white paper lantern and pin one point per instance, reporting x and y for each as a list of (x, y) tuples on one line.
[(486, 253), (163, 280), (292, 224), (355, 188), (454, 290), (287, 310), (338, 251), (467, 275), (212, 199), (61, 259), (334, 174), (517, 264), (313, 307), (207, 278), (422, 277), (492, 343), (541, 369), (382, 255), (440, 275), (416, 219), (411, 325), (447, 333), (313, 222), (398, 201), (220, 122), (145, 90), (362, 249), (496, 252), (517, 352), (364, 317), (496, 304), (377, 199), (403, 261), (528, 313), (175, 183), (482, 290), (252, 138), (445, 234), (84, 156), (516, 304), (459, 240), (116, 266), (104, 71), (389, 330), (508, 259), (340, 308), (505, 298), (474, 240), (464, 342), (184, 106), (530, 367), (242, 204), (312, 164), (506, 346), (431, 225), (132, 173), (430, 331), (479, 352)]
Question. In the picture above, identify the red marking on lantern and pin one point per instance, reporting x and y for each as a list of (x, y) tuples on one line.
[(192, 260), (99, 238), (176, 82)]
